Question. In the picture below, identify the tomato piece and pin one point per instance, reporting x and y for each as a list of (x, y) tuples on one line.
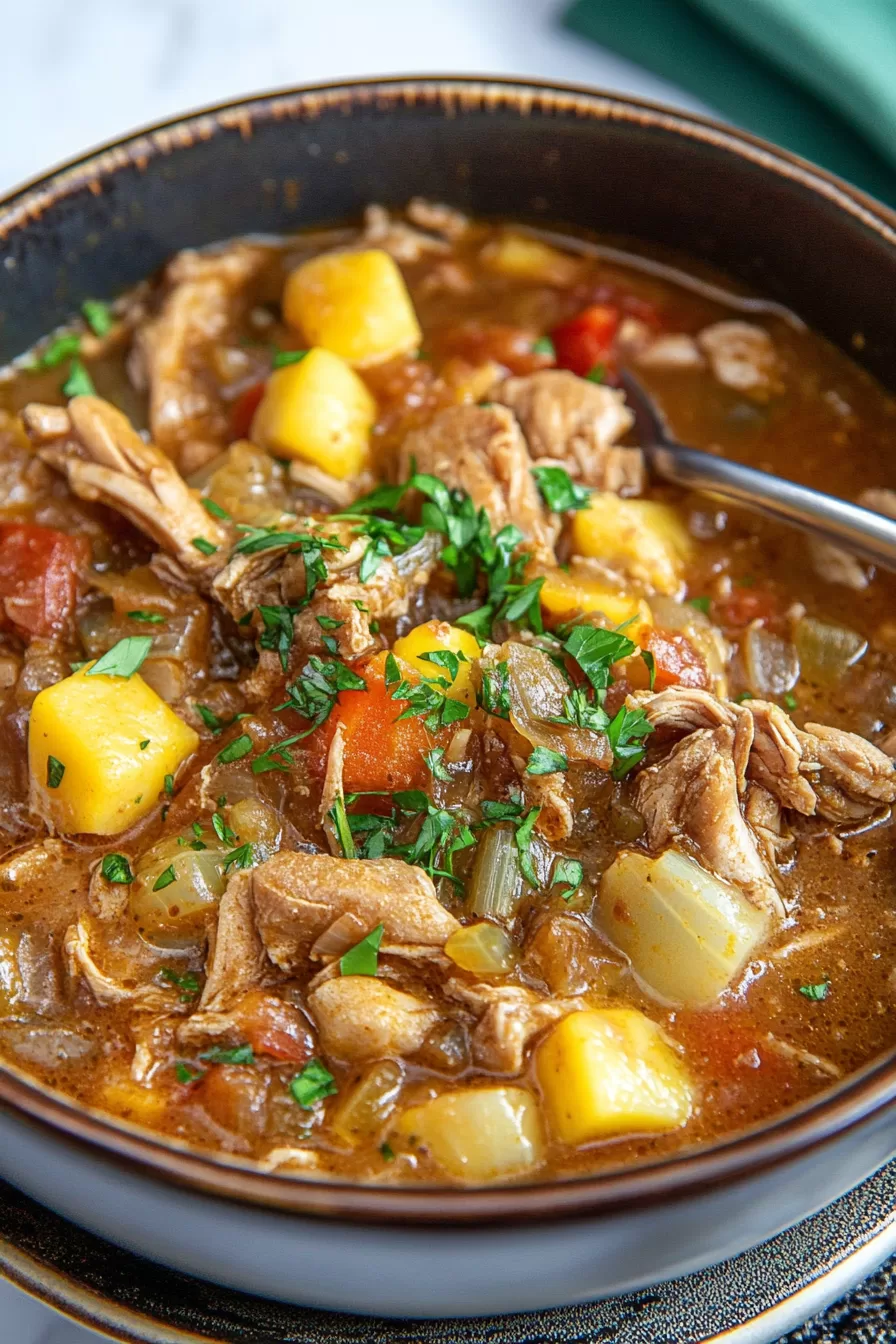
[(745, 605), (273, 1027), (242, 412), (676, 661), (382, 752), (39, 578), (587, 340)]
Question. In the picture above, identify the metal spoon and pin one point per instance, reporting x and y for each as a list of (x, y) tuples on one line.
[(869, 535)]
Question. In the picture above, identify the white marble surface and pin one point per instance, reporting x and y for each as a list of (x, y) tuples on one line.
[(75, 75)]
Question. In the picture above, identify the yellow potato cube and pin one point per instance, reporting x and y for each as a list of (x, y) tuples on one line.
[(643, 537), (355, 304), (565, 594), (141, 1105), (610, 1071), (318, 410), (437, 637), (522, 258), (478, 1134), (89, 772)]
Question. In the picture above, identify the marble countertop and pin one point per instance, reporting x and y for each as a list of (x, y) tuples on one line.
[(74, 76)]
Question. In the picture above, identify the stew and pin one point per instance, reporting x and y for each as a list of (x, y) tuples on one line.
[(396, 784)]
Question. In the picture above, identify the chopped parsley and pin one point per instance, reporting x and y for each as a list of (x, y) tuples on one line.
[(427, 698), (544, 346), (313, 1084), (187, 1073), (223, 1054), (235, 750), (169, 785), (165, 878), (816, 992), (204, 545), (313, 693), (283, 357), (387, 1153), (495, 694), (208, 717), (79, 382), (214, 508), (362, 958), (559, 490), (147, 617), (222, 830), (434, 759), (523, 840), (59, 349), (145, 743), (241, 857), (55, 771), (626, 733), (123, 659), (188, 984), (700, 604), (544, 761), (115, 868), (595, 650), (597, 374), (743, 696), (790, 701), (277, 757), (278, 632), (339, 818), (569, 874), (98, 316)]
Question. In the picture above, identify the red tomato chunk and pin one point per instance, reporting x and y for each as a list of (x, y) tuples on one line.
[(39, 577)]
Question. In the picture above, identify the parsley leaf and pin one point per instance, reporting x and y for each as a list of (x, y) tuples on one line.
[(123, 659), (283, 357), (313, 695), (581, 712), (337, 815), (235, 750), (79, 382), (597, 374), (165, 878), (278, 632), (169, 785), (147, 617), (59, 350), (243, 857), (816, 992), (559, 490), (626, 732), (362, 958), (790, 701), (495, 695), (700, 604), (55, 771), (188, 984), (98, 316), (214, 508), (595, 650), (544, 346), (569, 873), (544, 761), (222, 830), (434, 759), (187, 1073), (277, 757), (204, 545), (223, 1054), (208, 717), (523, 838), (313, 1084), (115, 868)]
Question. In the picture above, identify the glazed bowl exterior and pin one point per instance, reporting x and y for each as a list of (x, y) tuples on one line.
[(548, 156)]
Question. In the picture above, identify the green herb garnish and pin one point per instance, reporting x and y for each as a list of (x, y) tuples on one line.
[(147, 617), (283, 357), (816, 992), (214, 508), (544, 761), (235, 750), (223, 1054), (79, 382), (568, 873), (188, 984), (204, 545), (362, 958), (544, 346), (115, 868), (165, 878), (98, 316), (123, 659), (559, 490), (55, 771), (313, 1084)]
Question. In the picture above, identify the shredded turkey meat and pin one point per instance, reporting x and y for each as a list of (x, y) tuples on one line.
[(576, 423), (480, 449)]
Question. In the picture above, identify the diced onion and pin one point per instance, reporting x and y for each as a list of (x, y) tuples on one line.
[(342, 934), (482, 949), (496, 884), (361, 1113), (826, 651), (175, 915), (479, 1134), (537, 690), (771, 664)]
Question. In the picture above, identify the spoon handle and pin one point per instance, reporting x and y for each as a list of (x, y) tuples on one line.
[(871, 536)]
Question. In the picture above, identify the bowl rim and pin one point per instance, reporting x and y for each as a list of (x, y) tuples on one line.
[(811, 1125)]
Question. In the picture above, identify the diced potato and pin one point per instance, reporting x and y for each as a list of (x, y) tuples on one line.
[(94, 727), (482, 949), (478, 1134), (610, 1071), (318, 410), (643, 537), (522, 258), (436, 637), (566, 593), (141, 1105), (355, 304), (687, 933)]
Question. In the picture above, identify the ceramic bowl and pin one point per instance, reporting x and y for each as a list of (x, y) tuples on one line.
[(547, 155)]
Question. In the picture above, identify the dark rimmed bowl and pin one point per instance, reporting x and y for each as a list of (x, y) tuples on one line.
[(550, 156)]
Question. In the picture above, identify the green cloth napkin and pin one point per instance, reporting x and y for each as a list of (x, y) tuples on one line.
[(816, 76)]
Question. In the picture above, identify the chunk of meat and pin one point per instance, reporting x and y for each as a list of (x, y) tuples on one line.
[(206, 293), (40, 571), (576, 423), (509, 1017), (442, 219), (105, 989), (742, 356), (236, 960), (480, 449), (691, 796), (813, 770), (764, 815), (362, 1017), (297, 896), (399, 239), (105, 460), (669, 353)]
